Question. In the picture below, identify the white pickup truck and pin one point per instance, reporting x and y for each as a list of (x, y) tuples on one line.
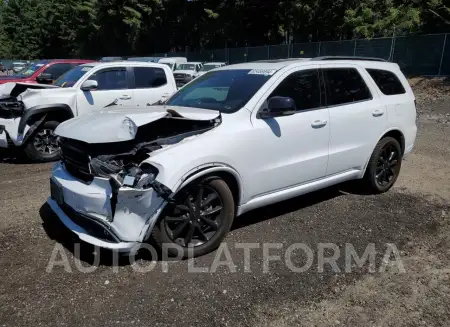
[(30, 113)]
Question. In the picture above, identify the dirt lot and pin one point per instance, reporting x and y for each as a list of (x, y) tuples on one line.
[(414, 215)]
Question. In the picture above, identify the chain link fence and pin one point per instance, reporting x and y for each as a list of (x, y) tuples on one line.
[(427, 55)]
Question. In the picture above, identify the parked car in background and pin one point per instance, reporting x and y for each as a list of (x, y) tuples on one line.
[(29, 113), (173, 62), (109, 59), (44, 71), (2, 67), (18, 66), (235, 139), (185, 73), (145, 59), (207, 66)]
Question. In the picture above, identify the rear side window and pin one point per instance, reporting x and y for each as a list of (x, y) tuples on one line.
[(303, 87), (387, 81), (345, 85), (149, 77)]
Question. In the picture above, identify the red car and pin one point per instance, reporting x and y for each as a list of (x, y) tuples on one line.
[(44, 71)]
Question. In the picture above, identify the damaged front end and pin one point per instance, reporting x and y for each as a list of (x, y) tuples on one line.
[(113, 183)]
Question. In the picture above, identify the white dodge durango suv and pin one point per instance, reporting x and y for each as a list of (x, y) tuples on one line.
[(235, 139)]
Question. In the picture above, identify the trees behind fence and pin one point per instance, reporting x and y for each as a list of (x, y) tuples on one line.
[(416, 55)]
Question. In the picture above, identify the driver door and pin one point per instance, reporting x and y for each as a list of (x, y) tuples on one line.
[(292, 150), (113, 90)]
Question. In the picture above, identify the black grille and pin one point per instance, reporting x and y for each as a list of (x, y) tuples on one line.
[(75, 157), (178, 75)]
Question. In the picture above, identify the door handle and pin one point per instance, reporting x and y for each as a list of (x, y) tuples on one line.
[(125, 97), (318, 123), (377, 113)]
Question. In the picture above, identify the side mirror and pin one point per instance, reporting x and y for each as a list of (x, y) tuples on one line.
[(277, 107), (89, 85), (44, 78)]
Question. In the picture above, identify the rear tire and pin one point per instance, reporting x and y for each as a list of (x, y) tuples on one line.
[(206, 229), (384, 166), (42, 146)]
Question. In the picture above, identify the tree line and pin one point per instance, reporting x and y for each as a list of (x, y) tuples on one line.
[(31, 29)]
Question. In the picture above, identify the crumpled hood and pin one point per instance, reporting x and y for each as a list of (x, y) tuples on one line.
[(14, 89), (121, 124)]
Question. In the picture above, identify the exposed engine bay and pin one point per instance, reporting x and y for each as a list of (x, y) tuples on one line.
[(122, 162)]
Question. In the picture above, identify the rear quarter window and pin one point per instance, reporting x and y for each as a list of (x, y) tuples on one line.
[(387, 81)]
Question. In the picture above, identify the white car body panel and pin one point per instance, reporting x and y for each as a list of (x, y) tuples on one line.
[(271, 159), (82, 102)]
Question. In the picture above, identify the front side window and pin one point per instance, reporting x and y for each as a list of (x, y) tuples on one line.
[(57, 70), (345, 85), (149, 77), (111, 79), (387, 82), (303, 87), (224, 90), (72, 76)]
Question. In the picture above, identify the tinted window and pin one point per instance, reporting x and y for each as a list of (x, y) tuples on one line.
[(303, 87), (387, 81), (111, 79), (69, 78), (224, 90), (57, 70), (148, 77), (345, 85)]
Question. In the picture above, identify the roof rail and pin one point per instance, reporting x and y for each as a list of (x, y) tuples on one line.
[(348, 58)]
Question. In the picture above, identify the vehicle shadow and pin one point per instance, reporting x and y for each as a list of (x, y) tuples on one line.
[(87, 253), (284, 207)]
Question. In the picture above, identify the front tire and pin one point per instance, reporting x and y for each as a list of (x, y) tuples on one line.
[(384, 166), (198, 221), (42, 146)]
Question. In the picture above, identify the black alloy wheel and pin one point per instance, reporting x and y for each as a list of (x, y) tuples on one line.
[(43, 145), (388, 165), (45, 141), (199, 219), (384, 166)]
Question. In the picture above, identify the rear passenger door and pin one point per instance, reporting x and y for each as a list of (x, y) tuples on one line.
[(357, 117), (150, 85)]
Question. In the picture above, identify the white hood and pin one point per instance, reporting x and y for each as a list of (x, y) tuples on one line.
[(121, 124), (7, 88)]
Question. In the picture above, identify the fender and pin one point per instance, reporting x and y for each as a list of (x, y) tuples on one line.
[(40, 109), (391, 129), (207, 169)]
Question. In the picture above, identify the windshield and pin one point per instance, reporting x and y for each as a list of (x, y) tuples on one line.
[(31, 69), (223, 90), (186, 67), (72, 76), (208, 67)]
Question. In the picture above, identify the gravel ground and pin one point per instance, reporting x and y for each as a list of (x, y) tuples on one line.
[(414, 216)]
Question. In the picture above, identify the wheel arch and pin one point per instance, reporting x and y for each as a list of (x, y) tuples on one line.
[(394, 133), (228, 174), (59, 112)]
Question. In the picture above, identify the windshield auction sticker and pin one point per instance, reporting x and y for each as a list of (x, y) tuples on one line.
[(265, 72)]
